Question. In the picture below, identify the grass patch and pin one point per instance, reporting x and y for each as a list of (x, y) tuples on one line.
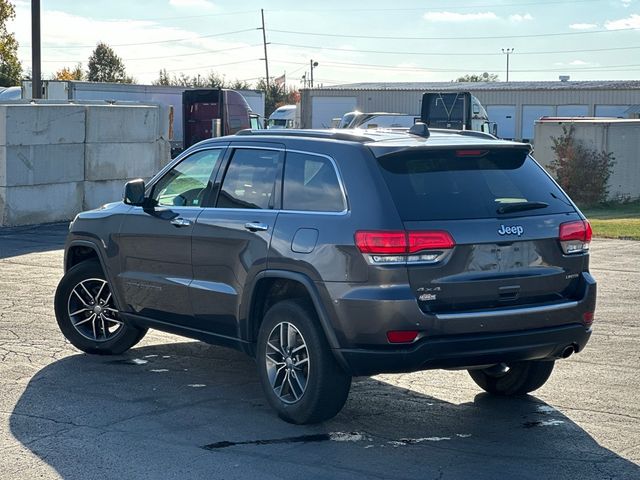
[(615, 221)]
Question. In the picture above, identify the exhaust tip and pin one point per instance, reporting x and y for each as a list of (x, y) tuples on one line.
[(568, 351)]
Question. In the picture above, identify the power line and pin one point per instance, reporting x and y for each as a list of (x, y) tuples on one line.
[(423, 9), (377, 37), (449, 54), (221, 14), (200, 52), (197, 37), (368, 66), (205, 66)]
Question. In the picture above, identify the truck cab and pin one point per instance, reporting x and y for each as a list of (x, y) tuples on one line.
[(455, 111)]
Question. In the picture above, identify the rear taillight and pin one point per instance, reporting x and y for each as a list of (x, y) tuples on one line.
[(382, 243), (575, 237), (401, 246)]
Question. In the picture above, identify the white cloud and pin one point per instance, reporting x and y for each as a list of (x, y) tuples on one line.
[(69, 39), (520, 18), (206, 4), (583, 26), (576, 63), (459, 17), (633, 21), (626, 3)]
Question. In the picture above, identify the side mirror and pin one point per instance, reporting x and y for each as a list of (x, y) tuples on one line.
[(134, 192)]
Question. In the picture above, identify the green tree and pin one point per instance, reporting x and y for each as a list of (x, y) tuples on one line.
[(482, 77), (163, 78), (106, 66), (581, 171), (211, 80), (239, 85), (275, 96), (10, 67), (69, 73)]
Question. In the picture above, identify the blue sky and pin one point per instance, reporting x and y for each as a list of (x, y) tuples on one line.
[(433, 40)]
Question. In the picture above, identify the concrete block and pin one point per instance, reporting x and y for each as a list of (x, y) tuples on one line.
[(38, 164), (122, 123), (41, 124), (98, 193), (112, 161), (164, 153), (29, 205)]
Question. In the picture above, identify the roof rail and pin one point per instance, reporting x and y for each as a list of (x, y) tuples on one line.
[(286, 132)]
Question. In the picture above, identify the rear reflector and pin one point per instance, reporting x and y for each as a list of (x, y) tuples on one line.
[(587, 318), (402, 336), (575, 236), (400, 242)]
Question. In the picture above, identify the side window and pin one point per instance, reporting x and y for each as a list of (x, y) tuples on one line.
[(311, 184), (250, 179), (186, 184)]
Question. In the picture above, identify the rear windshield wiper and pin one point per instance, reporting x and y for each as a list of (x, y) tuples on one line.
[(521, 206)]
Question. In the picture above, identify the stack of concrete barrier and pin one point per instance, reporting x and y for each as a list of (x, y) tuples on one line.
[(59, 159)]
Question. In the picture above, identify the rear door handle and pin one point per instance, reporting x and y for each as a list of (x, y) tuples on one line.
[(181, 222), (256, 227)]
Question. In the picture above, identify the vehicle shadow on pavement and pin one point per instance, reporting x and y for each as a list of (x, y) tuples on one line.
[(15, 241), (190, 410)]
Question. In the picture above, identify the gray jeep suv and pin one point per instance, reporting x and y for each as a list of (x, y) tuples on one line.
[(331, 254)]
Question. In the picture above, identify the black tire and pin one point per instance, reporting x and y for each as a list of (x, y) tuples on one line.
[(327, 384), (519, 379), (121, 337)]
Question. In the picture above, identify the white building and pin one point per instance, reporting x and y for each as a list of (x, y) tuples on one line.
[(514, 106)]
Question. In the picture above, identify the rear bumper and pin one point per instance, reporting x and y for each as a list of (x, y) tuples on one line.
[(457, 340), (461, 351)]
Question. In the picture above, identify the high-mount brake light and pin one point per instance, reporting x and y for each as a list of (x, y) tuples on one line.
[(575, 236), (471, 153), (402, 246)]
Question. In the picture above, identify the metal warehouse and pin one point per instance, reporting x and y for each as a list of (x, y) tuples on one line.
[(514, 106)]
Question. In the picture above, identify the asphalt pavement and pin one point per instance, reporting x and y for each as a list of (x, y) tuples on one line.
[(173, 408)]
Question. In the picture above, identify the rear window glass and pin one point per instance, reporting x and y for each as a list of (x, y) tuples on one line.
[(447, 185)]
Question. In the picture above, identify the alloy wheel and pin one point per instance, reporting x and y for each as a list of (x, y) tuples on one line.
[(287, 361), (92, 312)]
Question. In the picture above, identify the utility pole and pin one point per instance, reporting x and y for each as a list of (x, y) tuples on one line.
[(36, 57), (313, 65), (507, 52), (264, 41)]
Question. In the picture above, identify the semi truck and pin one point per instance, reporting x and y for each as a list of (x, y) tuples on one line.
[(283, 117), (455, 111), (223, 111)]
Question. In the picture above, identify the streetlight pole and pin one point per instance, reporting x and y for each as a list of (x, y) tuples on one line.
[(313, 65), (507, 52)]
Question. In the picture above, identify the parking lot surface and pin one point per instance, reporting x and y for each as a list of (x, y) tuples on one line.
[(176, 408)]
